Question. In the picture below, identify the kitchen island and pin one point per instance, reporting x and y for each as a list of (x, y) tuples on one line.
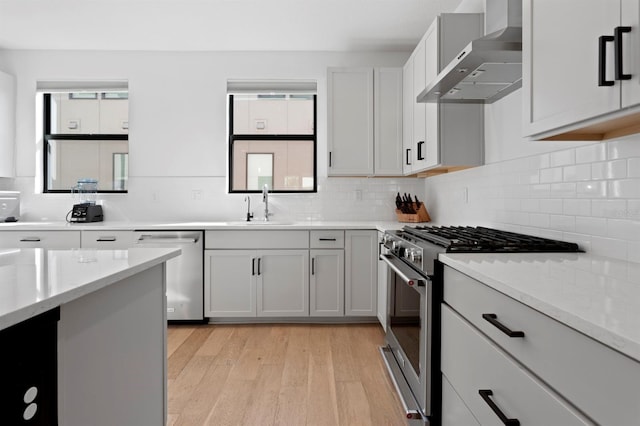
[(111, 333)]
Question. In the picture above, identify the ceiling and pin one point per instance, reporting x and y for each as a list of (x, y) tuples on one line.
[(210, 25)]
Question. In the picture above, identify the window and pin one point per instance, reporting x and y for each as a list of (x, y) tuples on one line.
[(272, 137), (86, 136)]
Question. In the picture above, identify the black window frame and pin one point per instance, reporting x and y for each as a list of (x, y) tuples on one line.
[(48, 136), (275, 137)]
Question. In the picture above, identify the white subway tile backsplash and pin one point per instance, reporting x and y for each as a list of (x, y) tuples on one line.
[(624, 188), (563, 190), (562, 158), (551, 206), (615, 169), (633, 167), (576, 172), (562, 223), (608, 208), (591, 226), (592, 189), (576, 207), (623, 229), (591, 153), (551, 175), (589, 195), (623, 148)]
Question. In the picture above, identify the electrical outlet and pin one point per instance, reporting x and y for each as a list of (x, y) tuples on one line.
[(359, 194), (196, 194)]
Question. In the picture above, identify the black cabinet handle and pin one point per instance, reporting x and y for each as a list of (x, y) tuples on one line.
[(485, 394), (327, 239), (313, 266), (259, 266), (408, 155), (493, 319), (420, 154), (602, 61), (106, 239), (253, 266), (30, 240), (330, 162), (617, 43)]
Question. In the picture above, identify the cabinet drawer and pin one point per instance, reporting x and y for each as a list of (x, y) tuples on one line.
[(258, 239), (600, 381), (107, 239), (326, 239), (470, 362), (40, 239)]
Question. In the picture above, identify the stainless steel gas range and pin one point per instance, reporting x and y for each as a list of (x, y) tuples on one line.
[(412, 351)]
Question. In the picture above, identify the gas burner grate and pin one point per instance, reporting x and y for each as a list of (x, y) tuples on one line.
[(469, 239)]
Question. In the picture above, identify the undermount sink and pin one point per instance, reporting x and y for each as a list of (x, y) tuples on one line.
[(259, 223)]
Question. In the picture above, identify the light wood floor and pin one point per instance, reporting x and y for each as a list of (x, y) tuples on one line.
[(279, 375)]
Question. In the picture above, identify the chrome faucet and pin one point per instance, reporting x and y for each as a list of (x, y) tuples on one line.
[(265, 199), (249, 214)]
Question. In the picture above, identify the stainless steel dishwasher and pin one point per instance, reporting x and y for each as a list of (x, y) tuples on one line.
[(185, 273)]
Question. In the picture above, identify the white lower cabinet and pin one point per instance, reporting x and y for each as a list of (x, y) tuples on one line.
[(383, 286), (40, 239), (282, 283), (107, 239), (326, 284), (230, 283), (538, 369), (361, 273), (263, 283), (454, 412), (492, 384)]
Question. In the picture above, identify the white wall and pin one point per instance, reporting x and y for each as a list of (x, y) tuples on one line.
[(177, 135)]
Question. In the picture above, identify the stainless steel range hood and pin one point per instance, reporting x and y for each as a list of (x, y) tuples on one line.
[(490, 67)]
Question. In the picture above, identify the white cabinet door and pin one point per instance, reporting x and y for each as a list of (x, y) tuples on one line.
[(454, 412), (283, 283), (361, 270), (40, 239), (326, 283), (383, 287), (7, 124), (419, 109), (408, 151), (560, 43), (107, 239), (350, 121), (631, 53), (230, 283), (472, 363), (388, 122), (431, 150)]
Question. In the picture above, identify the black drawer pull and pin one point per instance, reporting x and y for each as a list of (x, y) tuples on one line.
[(30, 240), (313, 266), (493, 319), (328, 239), (617, 43), (420, 153), (106, 239), (602, 61), (485, 394)]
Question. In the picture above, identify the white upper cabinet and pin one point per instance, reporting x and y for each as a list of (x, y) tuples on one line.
[(387, 134), (408, 103), (572, 69), (364, 121), (7, 124), (444, 136)]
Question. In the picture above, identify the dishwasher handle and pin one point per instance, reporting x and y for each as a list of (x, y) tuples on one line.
[(165, 240)]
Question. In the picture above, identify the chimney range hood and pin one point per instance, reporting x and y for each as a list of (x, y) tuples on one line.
[(488, 68)]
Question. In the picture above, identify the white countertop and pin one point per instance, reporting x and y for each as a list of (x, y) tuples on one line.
[(165, 225), (33, 281), (598, 296)]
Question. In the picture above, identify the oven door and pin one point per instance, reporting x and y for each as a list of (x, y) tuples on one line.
[(409, 336)]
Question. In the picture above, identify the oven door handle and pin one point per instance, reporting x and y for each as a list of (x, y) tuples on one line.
[(404, 272)]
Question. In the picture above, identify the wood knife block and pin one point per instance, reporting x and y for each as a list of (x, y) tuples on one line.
[(421, 215)]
